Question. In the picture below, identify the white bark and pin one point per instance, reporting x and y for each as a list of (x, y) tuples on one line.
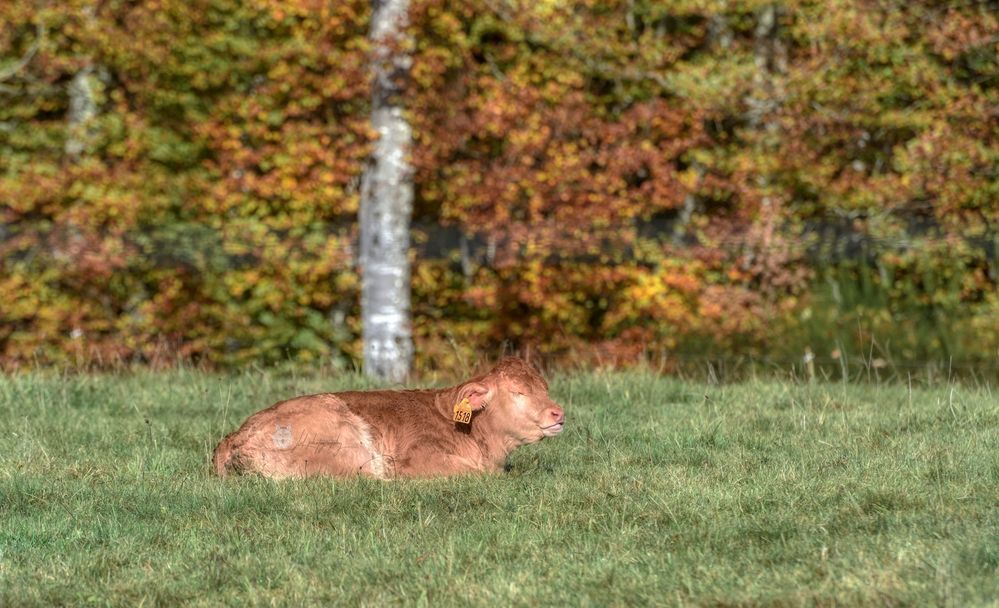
[(82, 110), (82, 104), (770, 57), (387, 203)]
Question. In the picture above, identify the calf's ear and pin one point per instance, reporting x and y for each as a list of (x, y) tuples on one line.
[(476, 393)]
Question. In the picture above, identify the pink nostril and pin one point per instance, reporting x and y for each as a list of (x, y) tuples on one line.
[(558, 415)]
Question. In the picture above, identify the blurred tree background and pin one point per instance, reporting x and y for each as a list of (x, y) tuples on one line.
[(598, 181)]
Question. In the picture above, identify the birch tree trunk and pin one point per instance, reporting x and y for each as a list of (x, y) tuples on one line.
[(387, 203), (82, 105), (770, 58), (82, 110)]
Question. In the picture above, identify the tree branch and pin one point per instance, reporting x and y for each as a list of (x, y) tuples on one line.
[(20, 64)]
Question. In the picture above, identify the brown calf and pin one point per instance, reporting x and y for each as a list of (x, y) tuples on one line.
[(397, 433)]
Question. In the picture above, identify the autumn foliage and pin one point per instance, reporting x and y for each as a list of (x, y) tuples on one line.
[(606, 181)]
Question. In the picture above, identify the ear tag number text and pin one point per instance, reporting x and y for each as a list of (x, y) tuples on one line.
[(463, 411)]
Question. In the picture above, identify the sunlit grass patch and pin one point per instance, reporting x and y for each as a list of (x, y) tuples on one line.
[(659, 491)]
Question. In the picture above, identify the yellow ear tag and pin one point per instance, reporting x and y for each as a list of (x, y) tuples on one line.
[(463, 411)]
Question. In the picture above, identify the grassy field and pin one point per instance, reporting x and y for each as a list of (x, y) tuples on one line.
[(659, 492)]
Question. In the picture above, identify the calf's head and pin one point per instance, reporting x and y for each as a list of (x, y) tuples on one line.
[(513, 398)]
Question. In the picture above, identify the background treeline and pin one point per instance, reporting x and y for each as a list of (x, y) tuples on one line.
[(596, 181)]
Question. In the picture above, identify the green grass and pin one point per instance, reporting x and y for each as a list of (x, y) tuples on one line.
[(659, 492)]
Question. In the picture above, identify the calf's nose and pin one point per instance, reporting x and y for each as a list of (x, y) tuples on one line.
[(558, 416)]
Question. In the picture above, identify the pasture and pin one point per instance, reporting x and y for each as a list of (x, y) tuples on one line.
[(660, 491)]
